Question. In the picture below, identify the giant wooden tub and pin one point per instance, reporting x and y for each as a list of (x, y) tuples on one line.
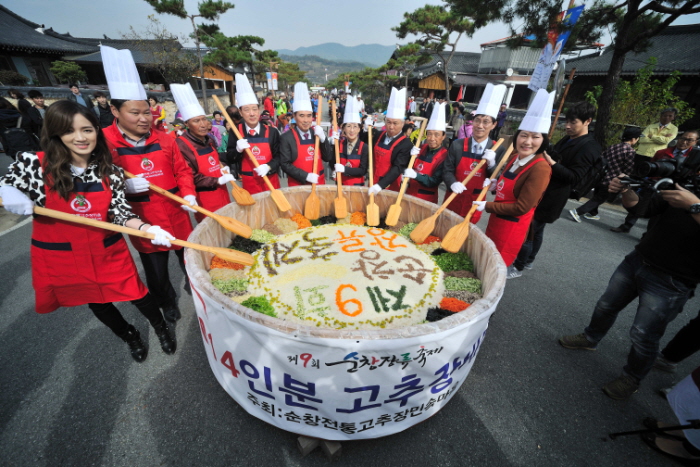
[(339, 384)]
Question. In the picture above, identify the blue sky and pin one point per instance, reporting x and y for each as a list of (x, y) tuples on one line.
[(282, 23)]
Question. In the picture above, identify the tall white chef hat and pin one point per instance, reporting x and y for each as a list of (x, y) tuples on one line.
[(491, 100), (437, 119), (186, 101), (122, 77), (397, 104), (352, 111), (539, 115), (244, 92), (302, 101)]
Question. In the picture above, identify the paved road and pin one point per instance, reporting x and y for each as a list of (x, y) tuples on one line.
[(72, 396)]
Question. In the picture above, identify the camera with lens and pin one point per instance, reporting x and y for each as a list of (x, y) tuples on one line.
[(664, 174)]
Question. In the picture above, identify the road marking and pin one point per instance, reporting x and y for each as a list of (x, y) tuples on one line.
[(21, 224)]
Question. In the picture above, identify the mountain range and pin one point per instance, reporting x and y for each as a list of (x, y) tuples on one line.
[(373, 55)]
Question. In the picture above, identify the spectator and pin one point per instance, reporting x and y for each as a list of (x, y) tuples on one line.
[(662, 272), (572, 157), (620, 158), (654, 138), (80, 98), (103, 110)]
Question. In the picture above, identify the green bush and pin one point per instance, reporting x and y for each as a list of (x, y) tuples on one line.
[(12, 78)]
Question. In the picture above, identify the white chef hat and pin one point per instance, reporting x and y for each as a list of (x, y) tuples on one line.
[(352, 111), (437, 119), (302, 101), (122, 76), (539, 115), (491, 100), (186, 100), (397, 104), (244, 92)]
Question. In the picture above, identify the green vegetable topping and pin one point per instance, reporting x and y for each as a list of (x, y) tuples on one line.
[(454, 262), (463, 283), (261, 305)]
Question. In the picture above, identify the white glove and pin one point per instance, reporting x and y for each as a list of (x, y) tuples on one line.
[(318, 131), (374, 189), (490, 157), (339, 168), (242, 145), (480, 205), (15, 201), (415, 151), (136, 185), (312, 178), (192, 199), (262, 170), (410, 173), (162, 237), (224, 179), (457, 187)]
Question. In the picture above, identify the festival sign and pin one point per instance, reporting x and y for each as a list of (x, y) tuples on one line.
[(552, 51)]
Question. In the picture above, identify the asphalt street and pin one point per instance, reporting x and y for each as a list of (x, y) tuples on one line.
[(72, 396)]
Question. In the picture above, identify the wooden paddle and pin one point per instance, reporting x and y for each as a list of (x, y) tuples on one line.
[(277, 196), (427, 225), (392, 217), (340, 203), (223, 253), (372, 208), (458, 234), (232, 225), (312, 207)]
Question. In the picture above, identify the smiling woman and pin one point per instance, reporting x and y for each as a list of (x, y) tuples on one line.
[(74, 265)]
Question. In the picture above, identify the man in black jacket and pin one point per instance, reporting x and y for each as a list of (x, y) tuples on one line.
[(572, 157), (662, 271)]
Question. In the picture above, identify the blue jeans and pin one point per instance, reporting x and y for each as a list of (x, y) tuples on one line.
[(661, 298)]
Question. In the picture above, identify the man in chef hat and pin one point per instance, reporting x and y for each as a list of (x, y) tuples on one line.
[(297, 145), (198, 149), (392, 150), (153, 158), (465, 154), (427, 169), (263, 142)]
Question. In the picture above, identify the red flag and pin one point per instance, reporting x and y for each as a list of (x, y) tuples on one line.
[(460, 95)]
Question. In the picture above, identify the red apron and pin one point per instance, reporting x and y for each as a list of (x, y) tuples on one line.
[(463, 202), (260, 147), (74, 264), (382, 160), (209, 165), (352, 160), (426, 165), (305, 158), (156, 165), (508, 233)]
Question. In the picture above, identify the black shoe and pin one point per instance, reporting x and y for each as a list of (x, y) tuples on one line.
[(620, 229), (167, 343), (171, 313), (139, 351)]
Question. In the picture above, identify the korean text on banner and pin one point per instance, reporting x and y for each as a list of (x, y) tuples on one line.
[(551, 52)]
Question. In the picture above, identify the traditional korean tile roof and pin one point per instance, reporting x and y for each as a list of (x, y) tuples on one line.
[(18, 34), (676, 48)]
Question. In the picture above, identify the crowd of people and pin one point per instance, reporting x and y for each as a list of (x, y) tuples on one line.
[(74, 154)]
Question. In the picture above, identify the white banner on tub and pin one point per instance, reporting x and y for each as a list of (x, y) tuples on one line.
[(336, 389)]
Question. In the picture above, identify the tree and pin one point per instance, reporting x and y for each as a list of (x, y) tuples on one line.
[(209, 10), (168, 59), (639, 102), (68, 72), (435, 24), (634, 23), (408, 57)]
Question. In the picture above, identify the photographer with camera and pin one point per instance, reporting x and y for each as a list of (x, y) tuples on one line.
[(662, 271)]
